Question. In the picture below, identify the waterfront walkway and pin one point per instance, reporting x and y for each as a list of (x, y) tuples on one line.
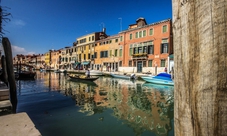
[(18, 124)]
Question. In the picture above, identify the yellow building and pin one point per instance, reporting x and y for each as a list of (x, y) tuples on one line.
[(106, 53), (47, 60), (85, 48)]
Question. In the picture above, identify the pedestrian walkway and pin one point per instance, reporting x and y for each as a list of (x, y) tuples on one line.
[(17, 125)]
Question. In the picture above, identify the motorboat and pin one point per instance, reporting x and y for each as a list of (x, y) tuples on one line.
[(63, 70), (96, 73), (161, 78), (133, 76)]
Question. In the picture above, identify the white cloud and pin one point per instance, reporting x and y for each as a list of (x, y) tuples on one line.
[(19, 23), (18, 50)]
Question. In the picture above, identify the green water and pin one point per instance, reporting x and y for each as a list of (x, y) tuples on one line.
[(108, 106)]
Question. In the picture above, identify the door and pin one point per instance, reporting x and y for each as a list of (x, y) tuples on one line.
[(139, 66)]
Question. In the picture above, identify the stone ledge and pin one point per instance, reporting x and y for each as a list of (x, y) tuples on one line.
[(17, 125)]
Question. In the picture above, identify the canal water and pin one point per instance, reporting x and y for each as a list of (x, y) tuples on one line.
[(108, 106)]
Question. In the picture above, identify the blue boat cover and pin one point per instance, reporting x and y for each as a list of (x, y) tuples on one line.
[(164, 75)]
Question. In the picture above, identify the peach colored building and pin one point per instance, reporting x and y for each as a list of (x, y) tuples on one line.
[(145, 47), (106, 57)]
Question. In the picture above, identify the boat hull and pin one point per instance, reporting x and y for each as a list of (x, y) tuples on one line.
[(26, 75), (121, 76), (96, 73), (162, 79), (77, 78)]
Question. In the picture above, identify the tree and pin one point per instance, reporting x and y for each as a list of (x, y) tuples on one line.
[(200, 57)]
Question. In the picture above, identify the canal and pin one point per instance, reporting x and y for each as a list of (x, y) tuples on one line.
[(108, 106)]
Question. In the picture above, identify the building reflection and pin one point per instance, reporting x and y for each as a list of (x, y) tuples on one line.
[(142, 106)]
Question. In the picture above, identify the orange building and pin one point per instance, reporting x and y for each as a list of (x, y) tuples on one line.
[(145, 47), (106, 56)]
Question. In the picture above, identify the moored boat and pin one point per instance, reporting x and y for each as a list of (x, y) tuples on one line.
[(162, 78), (25, 75), (123, 76), (82, 78), (63, 70), (96, 73)]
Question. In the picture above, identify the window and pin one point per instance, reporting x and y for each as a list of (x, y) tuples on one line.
[(130, 63), (115, 53), (89, 56), (95, 55), (144, 63), (130, 36), (79, 57), (116, 40), (150, 49), (93, 38), (89, 38), (164, 29), (164, 46), (144, 33), (134, 64), (149, 63), (84, 56), (66, 59), (151, 31), (120, 52), (121, 38), (140, 34), (111, 53), (103, 54), (120, 63), (140, 50), (136, 34), (144, 49), (135, 50), (131, 50), (163, 62)]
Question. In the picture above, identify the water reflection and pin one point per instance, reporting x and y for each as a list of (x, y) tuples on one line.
[(143, 106)]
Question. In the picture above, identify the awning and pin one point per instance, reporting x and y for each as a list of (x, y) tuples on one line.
[(85, 63), (76, 63), (171, 56)]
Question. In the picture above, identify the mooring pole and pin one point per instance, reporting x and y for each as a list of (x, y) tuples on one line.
[(10, 72), (200, 67)]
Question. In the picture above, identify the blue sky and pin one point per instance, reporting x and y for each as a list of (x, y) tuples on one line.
[(37, 26)]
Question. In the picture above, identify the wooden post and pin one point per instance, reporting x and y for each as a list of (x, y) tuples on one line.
[(200, 67), (4, 76), (10, 72)]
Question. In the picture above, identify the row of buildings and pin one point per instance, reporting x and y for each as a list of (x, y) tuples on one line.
[(141, 48)]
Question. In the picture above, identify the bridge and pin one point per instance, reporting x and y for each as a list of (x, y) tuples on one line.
[(24, 65)]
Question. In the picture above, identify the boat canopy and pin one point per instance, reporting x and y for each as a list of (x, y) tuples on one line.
[(164, 75), (85, 63)]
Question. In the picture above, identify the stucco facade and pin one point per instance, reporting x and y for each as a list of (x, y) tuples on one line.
[(146, 47)]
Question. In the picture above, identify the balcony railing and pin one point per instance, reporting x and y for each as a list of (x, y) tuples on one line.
[(139, 55)]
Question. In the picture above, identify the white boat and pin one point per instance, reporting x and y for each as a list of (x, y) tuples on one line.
[(123, 76), (63, 70), (96, 73), (162, 78)]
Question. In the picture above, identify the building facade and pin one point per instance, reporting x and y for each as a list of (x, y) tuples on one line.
[(145, 47)]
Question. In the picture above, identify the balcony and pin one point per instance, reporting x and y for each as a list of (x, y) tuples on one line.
[(140, 56)]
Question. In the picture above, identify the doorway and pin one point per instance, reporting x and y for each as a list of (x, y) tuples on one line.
[(139, 66)]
